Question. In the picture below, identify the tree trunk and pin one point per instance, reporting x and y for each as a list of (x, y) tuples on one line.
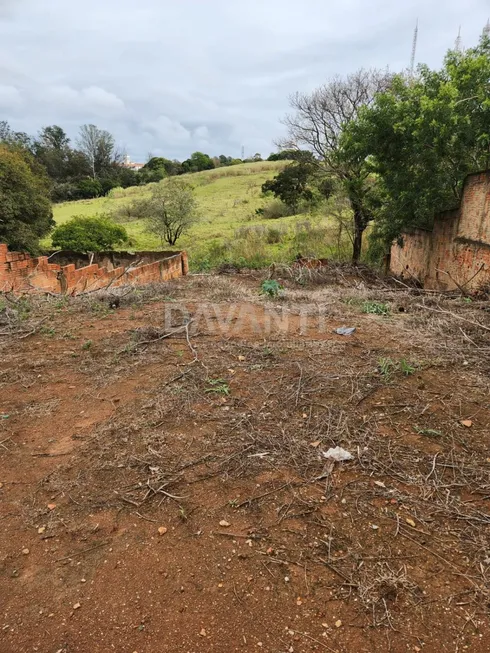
[(358, 232)]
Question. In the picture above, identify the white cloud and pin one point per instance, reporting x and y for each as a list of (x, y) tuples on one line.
[(10, 97), (174, 77), (168, 132)]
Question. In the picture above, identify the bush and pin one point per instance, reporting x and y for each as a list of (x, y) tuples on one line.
[(89, 188), (274, 236), (276, 209), (89, 234)]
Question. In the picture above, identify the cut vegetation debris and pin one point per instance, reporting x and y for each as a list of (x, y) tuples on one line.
[(145, 468)]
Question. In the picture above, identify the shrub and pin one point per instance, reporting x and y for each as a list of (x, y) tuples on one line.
[(270, 287), (274, 235), (275, 209), (375, 308), (89, 234)]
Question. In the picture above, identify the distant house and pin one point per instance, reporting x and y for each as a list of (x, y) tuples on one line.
[(127, 163)]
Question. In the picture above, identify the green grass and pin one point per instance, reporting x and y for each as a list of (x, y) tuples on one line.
[(229, 229)]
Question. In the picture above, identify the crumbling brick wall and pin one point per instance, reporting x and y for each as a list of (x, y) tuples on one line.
[(457, 250), (19, 272)]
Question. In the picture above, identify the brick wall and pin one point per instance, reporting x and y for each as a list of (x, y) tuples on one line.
[(19, 272), (457, 251)]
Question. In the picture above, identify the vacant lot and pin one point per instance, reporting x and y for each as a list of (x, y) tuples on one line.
[(163, 483)]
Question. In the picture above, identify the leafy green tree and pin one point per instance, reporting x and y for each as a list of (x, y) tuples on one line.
[(317, 124), (25, 205), (283, 155), (423, 136), (197, 162), (225, 160), (89, 234), (11, 137), (155, 169), (170, 211), (52, 149), (291, 185), (89, 188)]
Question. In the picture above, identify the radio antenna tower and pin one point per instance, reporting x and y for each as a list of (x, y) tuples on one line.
[(414, 48), (457, 43), (243, 152)]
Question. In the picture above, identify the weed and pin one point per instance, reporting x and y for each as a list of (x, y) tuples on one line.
[(47, 331), (86, 345), (428, 432), (183, 516), (270, 287), (375, 308), (406, 368), (220, 386), (386, 367)]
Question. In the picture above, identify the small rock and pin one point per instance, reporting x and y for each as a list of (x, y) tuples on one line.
[(241, 358), (41, 530), (224, 523), (410, 522), (77, 605), (51, 506), (25, 552), (338, 623), (203, 632), (467, 423), (315, 444), (162, 530)]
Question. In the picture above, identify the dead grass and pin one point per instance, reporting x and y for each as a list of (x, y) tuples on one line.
[(415, 495)]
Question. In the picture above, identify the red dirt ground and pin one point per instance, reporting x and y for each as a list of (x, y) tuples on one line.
[(109, 433)]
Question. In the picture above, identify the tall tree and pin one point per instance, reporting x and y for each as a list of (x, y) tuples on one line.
[(423, 136), (99, 147), (317, 123), (25, 206)]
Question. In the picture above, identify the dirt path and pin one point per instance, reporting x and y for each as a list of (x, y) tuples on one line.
[(170, 494)]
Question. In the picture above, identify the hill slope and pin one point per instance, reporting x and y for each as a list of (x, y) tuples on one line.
[(229, 228)]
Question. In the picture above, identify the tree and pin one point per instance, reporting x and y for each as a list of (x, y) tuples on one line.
[(99, 148), (283, 155), (198, 161), (154, 169), (52, 149), (170, 211), (224, 160), (291, 185), (25, 206), (317, 124), (89, 234), (423, 136), (10, 137)]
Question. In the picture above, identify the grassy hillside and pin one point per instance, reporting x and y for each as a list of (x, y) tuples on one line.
[(229, 228)]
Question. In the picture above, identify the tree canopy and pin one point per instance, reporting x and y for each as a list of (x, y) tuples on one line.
[(170, 211), (423, 136), (25, 206), (317, 124)]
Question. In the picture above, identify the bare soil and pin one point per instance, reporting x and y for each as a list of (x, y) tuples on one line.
[(163, 486)]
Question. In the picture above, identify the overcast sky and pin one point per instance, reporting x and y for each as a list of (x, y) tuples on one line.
[(174, 76)]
